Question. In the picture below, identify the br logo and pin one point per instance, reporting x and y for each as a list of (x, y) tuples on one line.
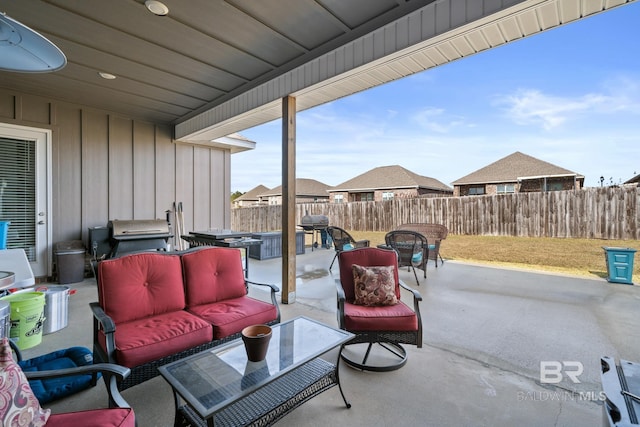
[(552, 371)]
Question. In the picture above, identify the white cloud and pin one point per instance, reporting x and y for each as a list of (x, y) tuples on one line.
[(533, 107), (437, 120)]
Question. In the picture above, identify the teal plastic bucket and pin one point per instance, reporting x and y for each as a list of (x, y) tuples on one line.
[(27, 318), (4, 230)]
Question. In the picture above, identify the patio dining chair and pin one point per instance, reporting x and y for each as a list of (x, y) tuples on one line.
[(343, 241), (435, 234), (412, 248), (370, 306)]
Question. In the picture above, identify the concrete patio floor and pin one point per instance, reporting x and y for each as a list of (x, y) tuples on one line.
[(486, 332)]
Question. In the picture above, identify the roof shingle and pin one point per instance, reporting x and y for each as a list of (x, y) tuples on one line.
[(389, 177), (512, 167), (304, 187), (253, 194)]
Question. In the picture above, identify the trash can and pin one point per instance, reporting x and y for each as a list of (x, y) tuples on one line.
[(4, 231), (27, 318), (619, 264), (56, 307), (69, 258)]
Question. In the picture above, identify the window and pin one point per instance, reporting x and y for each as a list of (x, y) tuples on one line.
[(387, 195), (476, 191), (554, 186), (18, 183), (506, 188), (364, 197), (338, 198)]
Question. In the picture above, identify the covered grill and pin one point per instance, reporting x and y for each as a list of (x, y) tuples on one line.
[(138, 235), (314, 224)]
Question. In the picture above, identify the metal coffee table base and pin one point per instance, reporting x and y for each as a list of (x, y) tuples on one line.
[(270, 403)]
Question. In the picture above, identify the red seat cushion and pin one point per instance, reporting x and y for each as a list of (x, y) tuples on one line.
[(213, 274), (398, 317), (231, 316), (117, 417), (140, 285), (144, 340)]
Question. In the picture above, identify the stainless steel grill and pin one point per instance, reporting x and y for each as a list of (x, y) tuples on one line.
[(314, 222), (314, 225), (138, 235)]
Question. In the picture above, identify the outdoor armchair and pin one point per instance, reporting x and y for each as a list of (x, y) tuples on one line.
[(435, 234), (370, 306), (342, 241), (412, 249), (14, 382)]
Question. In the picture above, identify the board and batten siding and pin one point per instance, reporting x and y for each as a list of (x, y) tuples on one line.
[(105, 166)]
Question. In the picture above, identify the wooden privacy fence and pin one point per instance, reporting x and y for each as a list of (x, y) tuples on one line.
[(596, 213)]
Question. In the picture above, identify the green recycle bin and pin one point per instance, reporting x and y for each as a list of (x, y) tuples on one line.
[(619, 264)]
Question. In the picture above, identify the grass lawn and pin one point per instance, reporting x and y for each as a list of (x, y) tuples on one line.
[(582, 257)]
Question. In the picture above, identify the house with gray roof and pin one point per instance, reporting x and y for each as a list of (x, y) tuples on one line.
[(633, 181), (307, 191), (251, 197), (517, 173), (386, 183)]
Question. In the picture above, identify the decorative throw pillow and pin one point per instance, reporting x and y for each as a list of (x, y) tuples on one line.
[(374, 285), (18, 405), (416, 258)]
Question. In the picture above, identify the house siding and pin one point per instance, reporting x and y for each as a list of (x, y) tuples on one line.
[(538, 184), (105, 166), (525, 186), (404, 193)]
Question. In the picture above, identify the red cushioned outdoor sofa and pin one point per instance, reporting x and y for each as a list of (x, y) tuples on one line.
[(157, 307)]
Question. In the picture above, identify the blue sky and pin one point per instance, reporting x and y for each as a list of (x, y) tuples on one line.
[(569, 96)]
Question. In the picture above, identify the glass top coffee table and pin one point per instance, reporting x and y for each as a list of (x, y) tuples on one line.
[(220, 386)]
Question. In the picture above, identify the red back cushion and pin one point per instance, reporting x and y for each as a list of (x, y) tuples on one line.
[(140, 285), (366, 257), (213, 274)]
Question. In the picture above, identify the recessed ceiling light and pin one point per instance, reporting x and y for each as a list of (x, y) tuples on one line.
[(106, 75), (156, 7)]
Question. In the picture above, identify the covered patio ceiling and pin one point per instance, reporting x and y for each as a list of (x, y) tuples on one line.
[(214, 67)]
